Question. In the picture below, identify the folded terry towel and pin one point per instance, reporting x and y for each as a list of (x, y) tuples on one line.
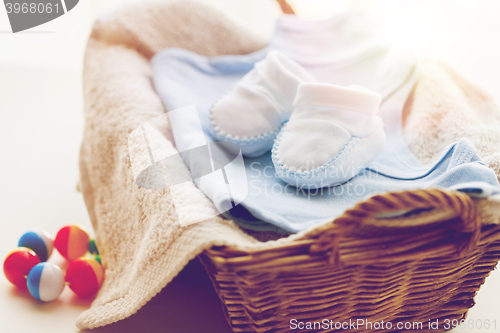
[(141, 241)]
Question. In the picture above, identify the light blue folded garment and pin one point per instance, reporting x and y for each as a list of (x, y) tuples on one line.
[(184, 78)]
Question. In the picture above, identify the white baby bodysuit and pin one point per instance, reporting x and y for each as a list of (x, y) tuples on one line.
[(345, 50)]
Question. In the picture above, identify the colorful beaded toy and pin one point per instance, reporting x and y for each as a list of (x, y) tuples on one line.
[(26, 266)]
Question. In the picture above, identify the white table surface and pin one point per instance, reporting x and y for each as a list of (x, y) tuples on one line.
[(41, 128)]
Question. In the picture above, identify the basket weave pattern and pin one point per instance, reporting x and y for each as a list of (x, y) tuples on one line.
[(410, 256)]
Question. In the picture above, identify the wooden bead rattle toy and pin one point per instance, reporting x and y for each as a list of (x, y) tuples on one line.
[(26, 266)]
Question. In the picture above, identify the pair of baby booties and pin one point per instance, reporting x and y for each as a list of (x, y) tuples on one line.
[(320, 134)]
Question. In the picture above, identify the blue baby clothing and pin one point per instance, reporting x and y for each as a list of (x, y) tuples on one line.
[(184, 78)]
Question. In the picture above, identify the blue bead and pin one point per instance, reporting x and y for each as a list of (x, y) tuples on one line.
[(34, 278), (38, 241), (45, 282)]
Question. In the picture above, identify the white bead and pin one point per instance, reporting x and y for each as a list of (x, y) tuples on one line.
[(46, 282)]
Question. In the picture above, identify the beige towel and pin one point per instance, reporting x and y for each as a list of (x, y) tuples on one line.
[(444, 108), (142, 244)]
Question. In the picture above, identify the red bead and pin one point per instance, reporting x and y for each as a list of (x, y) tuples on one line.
[(72, 242), (85, 276), (18, 264)]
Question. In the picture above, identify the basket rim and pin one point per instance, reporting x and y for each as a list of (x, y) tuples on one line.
[(432, 207)]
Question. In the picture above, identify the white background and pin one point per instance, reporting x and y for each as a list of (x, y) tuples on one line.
[(41, 127)]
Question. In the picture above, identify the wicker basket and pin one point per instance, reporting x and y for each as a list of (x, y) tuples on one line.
[(426, 264)]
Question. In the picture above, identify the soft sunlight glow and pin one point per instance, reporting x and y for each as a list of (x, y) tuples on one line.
[(407, 30), (404, 22), (319, 9)]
